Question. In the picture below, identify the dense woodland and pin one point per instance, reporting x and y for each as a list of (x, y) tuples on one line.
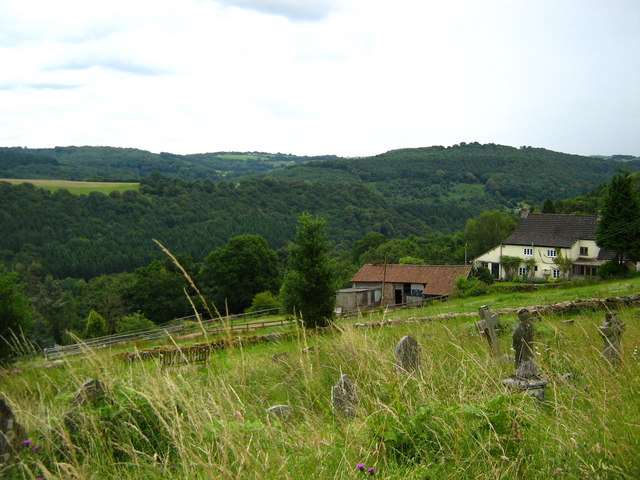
[(70, 255)]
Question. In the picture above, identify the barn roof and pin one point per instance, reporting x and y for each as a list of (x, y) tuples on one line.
[(439, 279)]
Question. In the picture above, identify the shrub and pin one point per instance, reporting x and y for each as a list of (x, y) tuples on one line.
[(470, 287), (96, 325), (134, 322), (264, 301), (483, 274), (613, 269)]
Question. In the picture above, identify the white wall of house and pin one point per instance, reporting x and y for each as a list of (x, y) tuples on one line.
[(583, 253)]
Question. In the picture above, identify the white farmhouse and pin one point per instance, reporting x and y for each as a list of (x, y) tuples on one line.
[(540, 239)]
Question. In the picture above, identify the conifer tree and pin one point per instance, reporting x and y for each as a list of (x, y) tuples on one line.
[(309, 285), (619, 228)]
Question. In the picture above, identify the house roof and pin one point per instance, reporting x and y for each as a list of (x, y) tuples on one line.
[(553, 230), (439, 279)]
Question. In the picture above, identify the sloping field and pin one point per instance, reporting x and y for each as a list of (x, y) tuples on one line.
[(74, 187)]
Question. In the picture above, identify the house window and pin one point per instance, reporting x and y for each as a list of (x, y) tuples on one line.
[(584, 251), (528, 252), (556, 273), (552, 252), (522, 272)]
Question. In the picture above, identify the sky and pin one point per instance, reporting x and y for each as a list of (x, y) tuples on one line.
[(315, 77)]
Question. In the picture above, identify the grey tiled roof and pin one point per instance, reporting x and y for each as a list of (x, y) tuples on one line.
[(553, 230)]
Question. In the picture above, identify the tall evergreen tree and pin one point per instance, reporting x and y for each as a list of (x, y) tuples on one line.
[(619, 228), (309, 285), (548, 206)]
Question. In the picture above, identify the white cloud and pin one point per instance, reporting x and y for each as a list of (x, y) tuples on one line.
[(349, 77), (294, 10)]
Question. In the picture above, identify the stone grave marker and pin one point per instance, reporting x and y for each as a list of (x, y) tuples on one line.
[(407, 355), (11, 433), (344, 397), (611, 332), (525, 378), (89, 392), (487, 326)]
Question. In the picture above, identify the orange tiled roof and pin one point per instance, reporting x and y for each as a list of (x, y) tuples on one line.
[(439, 279)]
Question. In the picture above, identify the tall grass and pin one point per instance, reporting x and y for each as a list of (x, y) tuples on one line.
[(451, 420)]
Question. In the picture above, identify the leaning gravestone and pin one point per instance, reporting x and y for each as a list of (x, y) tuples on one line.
[(91, 390), (407, 355), (344, 397), (487, 326), (11, 433), (611, 332), (525, 378)]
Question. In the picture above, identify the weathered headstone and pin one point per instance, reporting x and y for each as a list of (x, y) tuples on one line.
[(522, 345), (344, 397), (91, 390), (11, 433), (407, 355), (487, 326), (525, 378), (280, 411), (611, 332)]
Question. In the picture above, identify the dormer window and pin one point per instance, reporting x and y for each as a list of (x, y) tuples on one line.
[(584, 251)]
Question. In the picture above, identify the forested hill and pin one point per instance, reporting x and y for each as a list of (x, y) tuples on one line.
[(481, 174), (88, 235), (108, 163), (399, 193)]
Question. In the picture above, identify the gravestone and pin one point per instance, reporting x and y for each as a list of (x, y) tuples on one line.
[(280, 411), (407, 355), (11, 433), (611, 332), (525, 378), (487, 326), (344, 397), (91, 390)]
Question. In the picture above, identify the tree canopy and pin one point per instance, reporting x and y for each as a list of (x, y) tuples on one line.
[(235, 273), (619, 227), (309, 287)]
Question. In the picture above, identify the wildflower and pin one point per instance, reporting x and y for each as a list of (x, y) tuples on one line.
[(26, 443), (371, 471), (35, 448), (361, 466), (586, 387)]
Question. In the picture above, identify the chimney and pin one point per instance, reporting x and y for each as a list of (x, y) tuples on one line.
[(524, 212)]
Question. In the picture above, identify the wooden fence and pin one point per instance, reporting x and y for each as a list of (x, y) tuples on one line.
[(186, 325)]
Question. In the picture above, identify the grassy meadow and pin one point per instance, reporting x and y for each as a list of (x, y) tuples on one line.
[(75, 187), (451, 420)]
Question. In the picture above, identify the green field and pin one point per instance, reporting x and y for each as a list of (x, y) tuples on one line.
[(450, 420), (74, 187)]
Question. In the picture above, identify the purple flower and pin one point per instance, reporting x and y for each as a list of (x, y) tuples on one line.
[(35, 448), (26, 443), (371, 471), (586, 387), (361, 466)]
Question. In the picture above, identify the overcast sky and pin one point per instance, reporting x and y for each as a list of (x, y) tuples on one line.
[(344, 77)]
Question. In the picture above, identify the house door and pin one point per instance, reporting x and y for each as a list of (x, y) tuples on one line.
[(495, 270), (398, 297)]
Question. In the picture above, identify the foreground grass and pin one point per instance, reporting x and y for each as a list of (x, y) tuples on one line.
[(452, 420), (75, 187)]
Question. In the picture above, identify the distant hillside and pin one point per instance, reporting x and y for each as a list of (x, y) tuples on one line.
[(399, 193), (468, 174), (108, 163)]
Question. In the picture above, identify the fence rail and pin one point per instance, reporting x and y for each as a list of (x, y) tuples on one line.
[(187, 325)]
